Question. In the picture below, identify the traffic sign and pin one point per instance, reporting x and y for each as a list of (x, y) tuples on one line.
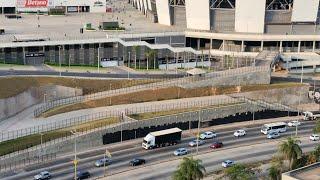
[(108, 154), (75, 162)]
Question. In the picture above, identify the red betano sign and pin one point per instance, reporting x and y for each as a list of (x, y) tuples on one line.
[(36, 3)]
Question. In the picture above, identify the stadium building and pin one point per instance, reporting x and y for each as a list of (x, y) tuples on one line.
[(212, 28), (70, 6)]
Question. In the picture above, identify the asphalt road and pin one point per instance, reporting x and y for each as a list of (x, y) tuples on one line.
[(88, 75), (63, 169)]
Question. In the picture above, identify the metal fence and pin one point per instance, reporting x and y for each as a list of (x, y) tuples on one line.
[(162, 84), (158, 107)]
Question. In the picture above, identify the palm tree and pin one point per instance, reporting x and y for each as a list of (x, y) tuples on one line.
[(239, 172), (290, 150), (276, 168), (149, 54), (189, 169), (316, 129)]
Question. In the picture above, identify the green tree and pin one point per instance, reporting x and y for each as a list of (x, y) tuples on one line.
[(136, 49), (290, 150), (316, 129), (189, 169), (239, 172), (276, 168)]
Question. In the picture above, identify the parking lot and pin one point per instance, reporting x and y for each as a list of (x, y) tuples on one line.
[(68, 27)]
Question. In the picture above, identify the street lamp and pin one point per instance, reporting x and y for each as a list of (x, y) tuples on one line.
[(75, 162)]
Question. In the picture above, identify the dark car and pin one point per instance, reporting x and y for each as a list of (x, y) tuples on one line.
[(137, 161), (83, 175), (216, 145)]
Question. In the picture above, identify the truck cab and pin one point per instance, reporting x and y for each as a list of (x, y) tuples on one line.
[(148, 142), (309, 116)]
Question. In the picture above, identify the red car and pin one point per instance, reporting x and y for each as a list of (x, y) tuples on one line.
[(216, 145)]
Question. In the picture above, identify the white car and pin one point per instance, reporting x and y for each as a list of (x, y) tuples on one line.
[(227, 163), (294, 123), (208, 135), (239, 133), (43, 175), (314, 137), (273, 135)]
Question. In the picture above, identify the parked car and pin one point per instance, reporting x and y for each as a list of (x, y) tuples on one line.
[(273, 135), (208, 135), (42, 175), (194, 143), (137, 162), (180, 152), (227, 163), (314, 137), (83, 175), (102, 162), (239, 133), (294, 123), (216, 145)]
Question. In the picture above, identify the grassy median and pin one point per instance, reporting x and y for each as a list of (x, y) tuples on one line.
[(35, 139), (162, 94)]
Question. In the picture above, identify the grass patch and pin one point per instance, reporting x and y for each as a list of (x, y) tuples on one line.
[(35, 139), (11, 86), (162, 94)]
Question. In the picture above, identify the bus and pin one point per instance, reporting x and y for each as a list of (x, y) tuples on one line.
[(274, 127)]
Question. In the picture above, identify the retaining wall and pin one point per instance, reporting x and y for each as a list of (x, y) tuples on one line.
[(12, 105)]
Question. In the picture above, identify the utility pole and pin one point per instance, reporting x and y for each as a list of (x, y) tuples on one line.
[(75, 161)]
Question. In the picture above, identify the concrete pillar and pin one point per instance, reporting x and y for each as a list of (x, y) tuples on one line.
[(81, 54), (280, 47), (242, 46), (198, 44), (223, 45), (313, 46), (210, 43), (261, 47), (24, 55), (2, 10), (299, 46)]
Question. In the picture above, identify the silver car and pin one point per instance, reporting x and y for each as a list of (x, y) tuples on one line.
[(180, 152), (273, 135), (194, 143), (102, 162), (43, 175)]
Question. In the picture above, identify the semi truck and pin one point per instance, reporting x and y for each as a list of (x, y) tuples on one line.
[(310, 116), (162, 138)]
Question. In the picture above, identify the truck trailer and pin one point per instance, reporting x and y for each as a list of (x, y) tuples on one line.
[(162, 138)]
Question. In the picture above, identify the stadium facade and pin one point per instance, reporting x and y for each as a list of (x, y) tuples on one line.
[(213, 28), (13, 6)]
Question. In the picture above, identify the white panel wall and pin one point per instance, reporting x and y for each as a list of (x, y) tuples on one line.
[(250, 15), (198, 14), (305, 10), (149, 5), (7, 3), (140, 5), (163, 12), (145, 5)]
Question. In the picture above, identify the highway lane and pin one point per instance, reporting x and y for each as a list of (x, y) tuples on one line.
[(121, 157), (88, 75)]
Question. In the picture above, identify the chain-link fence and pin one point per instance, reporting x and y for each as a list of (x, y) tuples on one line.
[(162, 84)]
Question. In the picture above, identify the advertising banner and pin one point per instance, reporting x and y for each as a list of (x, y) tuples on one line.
[(33, 3)]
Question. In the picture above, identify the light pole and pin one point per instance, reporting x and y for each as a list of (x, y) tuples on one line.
[(75, 162), (110, 91), (59, 60), (198, 133), (99, 58), (41, 143), (301, 73)]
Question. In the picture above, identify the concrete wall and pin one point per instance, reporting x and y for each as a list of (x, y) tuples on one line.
[(287, 96), (11, 106), (262, 77)]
